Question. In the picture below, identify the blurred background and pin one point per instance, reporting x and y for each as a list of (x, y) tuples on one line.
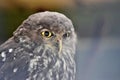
[(97, 23)]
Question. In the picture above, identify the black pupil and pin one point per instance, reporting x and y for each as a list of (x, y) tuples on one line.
[(65, 35), (46, 33)]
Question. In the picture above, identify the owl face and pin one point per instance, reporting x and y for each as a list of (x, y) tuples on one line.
[(53, 30), (55, 39)]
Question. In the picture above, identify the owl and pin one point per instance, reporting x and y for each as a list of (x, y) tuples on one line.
[(41, 48)]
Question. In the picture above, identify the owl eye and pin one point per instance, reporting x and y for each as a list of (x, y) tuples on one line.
[(66, 35), (47, 34)]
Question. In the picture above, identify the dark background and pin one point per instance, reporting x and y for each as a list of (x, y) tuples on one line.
[(97, 23)]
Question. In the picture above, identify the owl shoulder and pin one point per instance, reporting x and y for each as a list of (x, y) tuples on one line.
[(6, 48)]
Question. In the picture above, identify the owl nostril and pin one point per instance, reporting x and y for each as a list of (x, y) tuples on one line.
[(57, 40)]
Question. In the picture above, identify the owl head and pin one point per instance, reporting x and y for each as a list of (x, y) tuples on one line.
[(51, 29)]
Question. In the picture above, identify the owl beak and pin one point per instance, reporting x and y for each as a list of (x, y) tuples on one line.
[(59, 44)]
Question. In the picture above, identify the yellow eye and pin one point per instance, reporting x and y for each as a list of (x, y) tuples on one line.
[(47, 34), (66, 35)]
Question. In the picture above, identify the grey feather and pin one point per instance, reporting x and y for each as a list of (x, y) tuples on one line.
[(29, 56)]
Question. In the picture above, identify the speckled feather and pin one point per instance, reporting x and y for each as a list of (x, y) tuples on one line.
[(28, 56)]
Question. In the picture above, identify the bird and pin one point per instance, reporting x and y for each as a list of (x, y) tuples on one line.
[(41, 48)]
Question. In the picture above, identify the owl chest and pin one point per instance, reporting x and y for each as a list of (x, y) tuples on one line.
[(52, 69), (62, 70)]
